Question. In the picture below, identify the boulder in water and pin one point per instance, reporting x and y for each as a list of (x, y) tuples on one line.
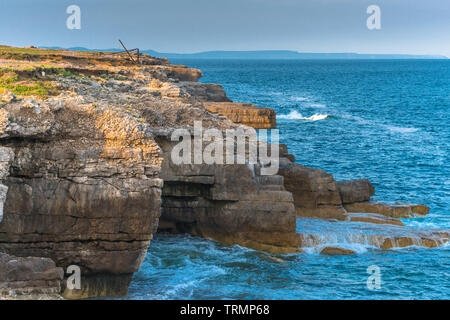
[(355, 190), (333, 251)]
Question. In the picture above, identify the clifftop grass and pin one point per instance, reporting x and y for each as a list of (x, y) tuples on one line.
[(38, 72), (19, 85)]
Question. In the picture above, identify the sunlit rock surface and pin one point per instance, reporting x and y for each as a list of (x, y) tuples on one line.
[(244, 113)]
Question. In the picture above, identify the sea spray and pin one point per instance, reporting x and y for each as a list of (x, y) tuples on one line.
[(295, 115)]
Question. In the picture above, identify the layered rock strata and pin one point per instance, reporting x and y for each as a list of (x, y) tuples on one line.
[(244, 113), (394, 210), (233, 203), (315, 191), (83, 189), (29, 278)]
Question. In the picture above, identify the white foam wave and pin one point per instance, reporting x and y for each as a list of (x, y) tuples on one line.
[(358, 242), (356, 247), (299, 99), (295, 115), (391, 128), (317, 117), (427, 225), (401, 129), (316, 105)]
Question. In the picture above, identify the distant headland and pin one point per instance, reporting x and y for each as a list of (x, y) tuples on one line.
[(269, 54)]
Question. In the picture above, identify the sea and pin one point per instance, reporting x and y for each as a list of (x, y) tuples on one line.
[(385, 120)]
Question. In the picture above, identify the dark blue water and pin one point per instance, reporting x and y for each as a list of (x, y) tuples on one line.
[(383, 120)]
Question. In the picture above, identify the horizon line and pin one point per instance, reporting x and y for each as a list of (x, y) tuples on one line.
[(246, 51)]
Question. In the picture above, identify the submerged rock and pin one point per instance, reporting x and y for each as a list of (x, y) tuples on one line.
[(432, 240), (316, 234), (333, 251)]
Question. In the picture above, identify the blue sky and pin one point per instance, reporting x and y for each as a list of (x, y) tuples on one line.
[(408, 26)]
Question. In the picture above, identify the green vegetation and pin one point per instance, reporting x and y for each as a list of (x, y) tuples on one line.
[(38, 89), (36, 72), (10, 81), (14, 50), (8, 77), (121, 78), (64, 72)]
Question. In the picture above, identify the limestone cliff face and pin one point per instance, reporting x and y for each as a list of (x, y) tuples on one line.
[(245, 114), (83, 188), (315, 191), (32, 278), (81, 166)]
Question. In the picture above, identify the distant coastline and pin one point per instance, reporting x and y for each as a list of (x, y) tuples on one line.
[(269, 54)]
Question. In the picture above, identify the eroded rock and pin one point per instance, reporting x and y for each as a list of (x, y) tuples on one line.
[(334, 251), (374, 218), (315, 191), (244, 113), (83, 189), (355, 190), (395, 210), (29, 278), (229, 203)]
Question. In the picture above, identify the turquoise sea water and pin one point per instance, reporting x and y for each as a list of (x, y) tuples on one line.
[(383, 120)]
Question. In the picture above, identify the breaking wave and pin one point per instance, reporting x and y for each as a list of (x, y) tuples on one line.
[(295, 115)]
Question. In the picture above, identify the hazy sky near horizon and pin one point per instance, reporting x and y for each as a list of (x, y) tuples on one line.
[(407, 26)]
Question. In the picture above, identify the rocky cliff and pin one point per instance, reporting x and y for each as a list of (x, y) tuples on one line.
[(81, 166), (244, 113), (83, 185), (87, 176)]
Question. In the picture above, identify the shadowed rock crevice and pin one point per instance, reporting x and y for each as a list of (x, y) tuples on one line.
[(232, 203)]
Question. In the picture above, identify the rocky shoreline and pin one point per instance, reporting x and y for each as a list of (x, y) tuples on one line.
[(87, 178)]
